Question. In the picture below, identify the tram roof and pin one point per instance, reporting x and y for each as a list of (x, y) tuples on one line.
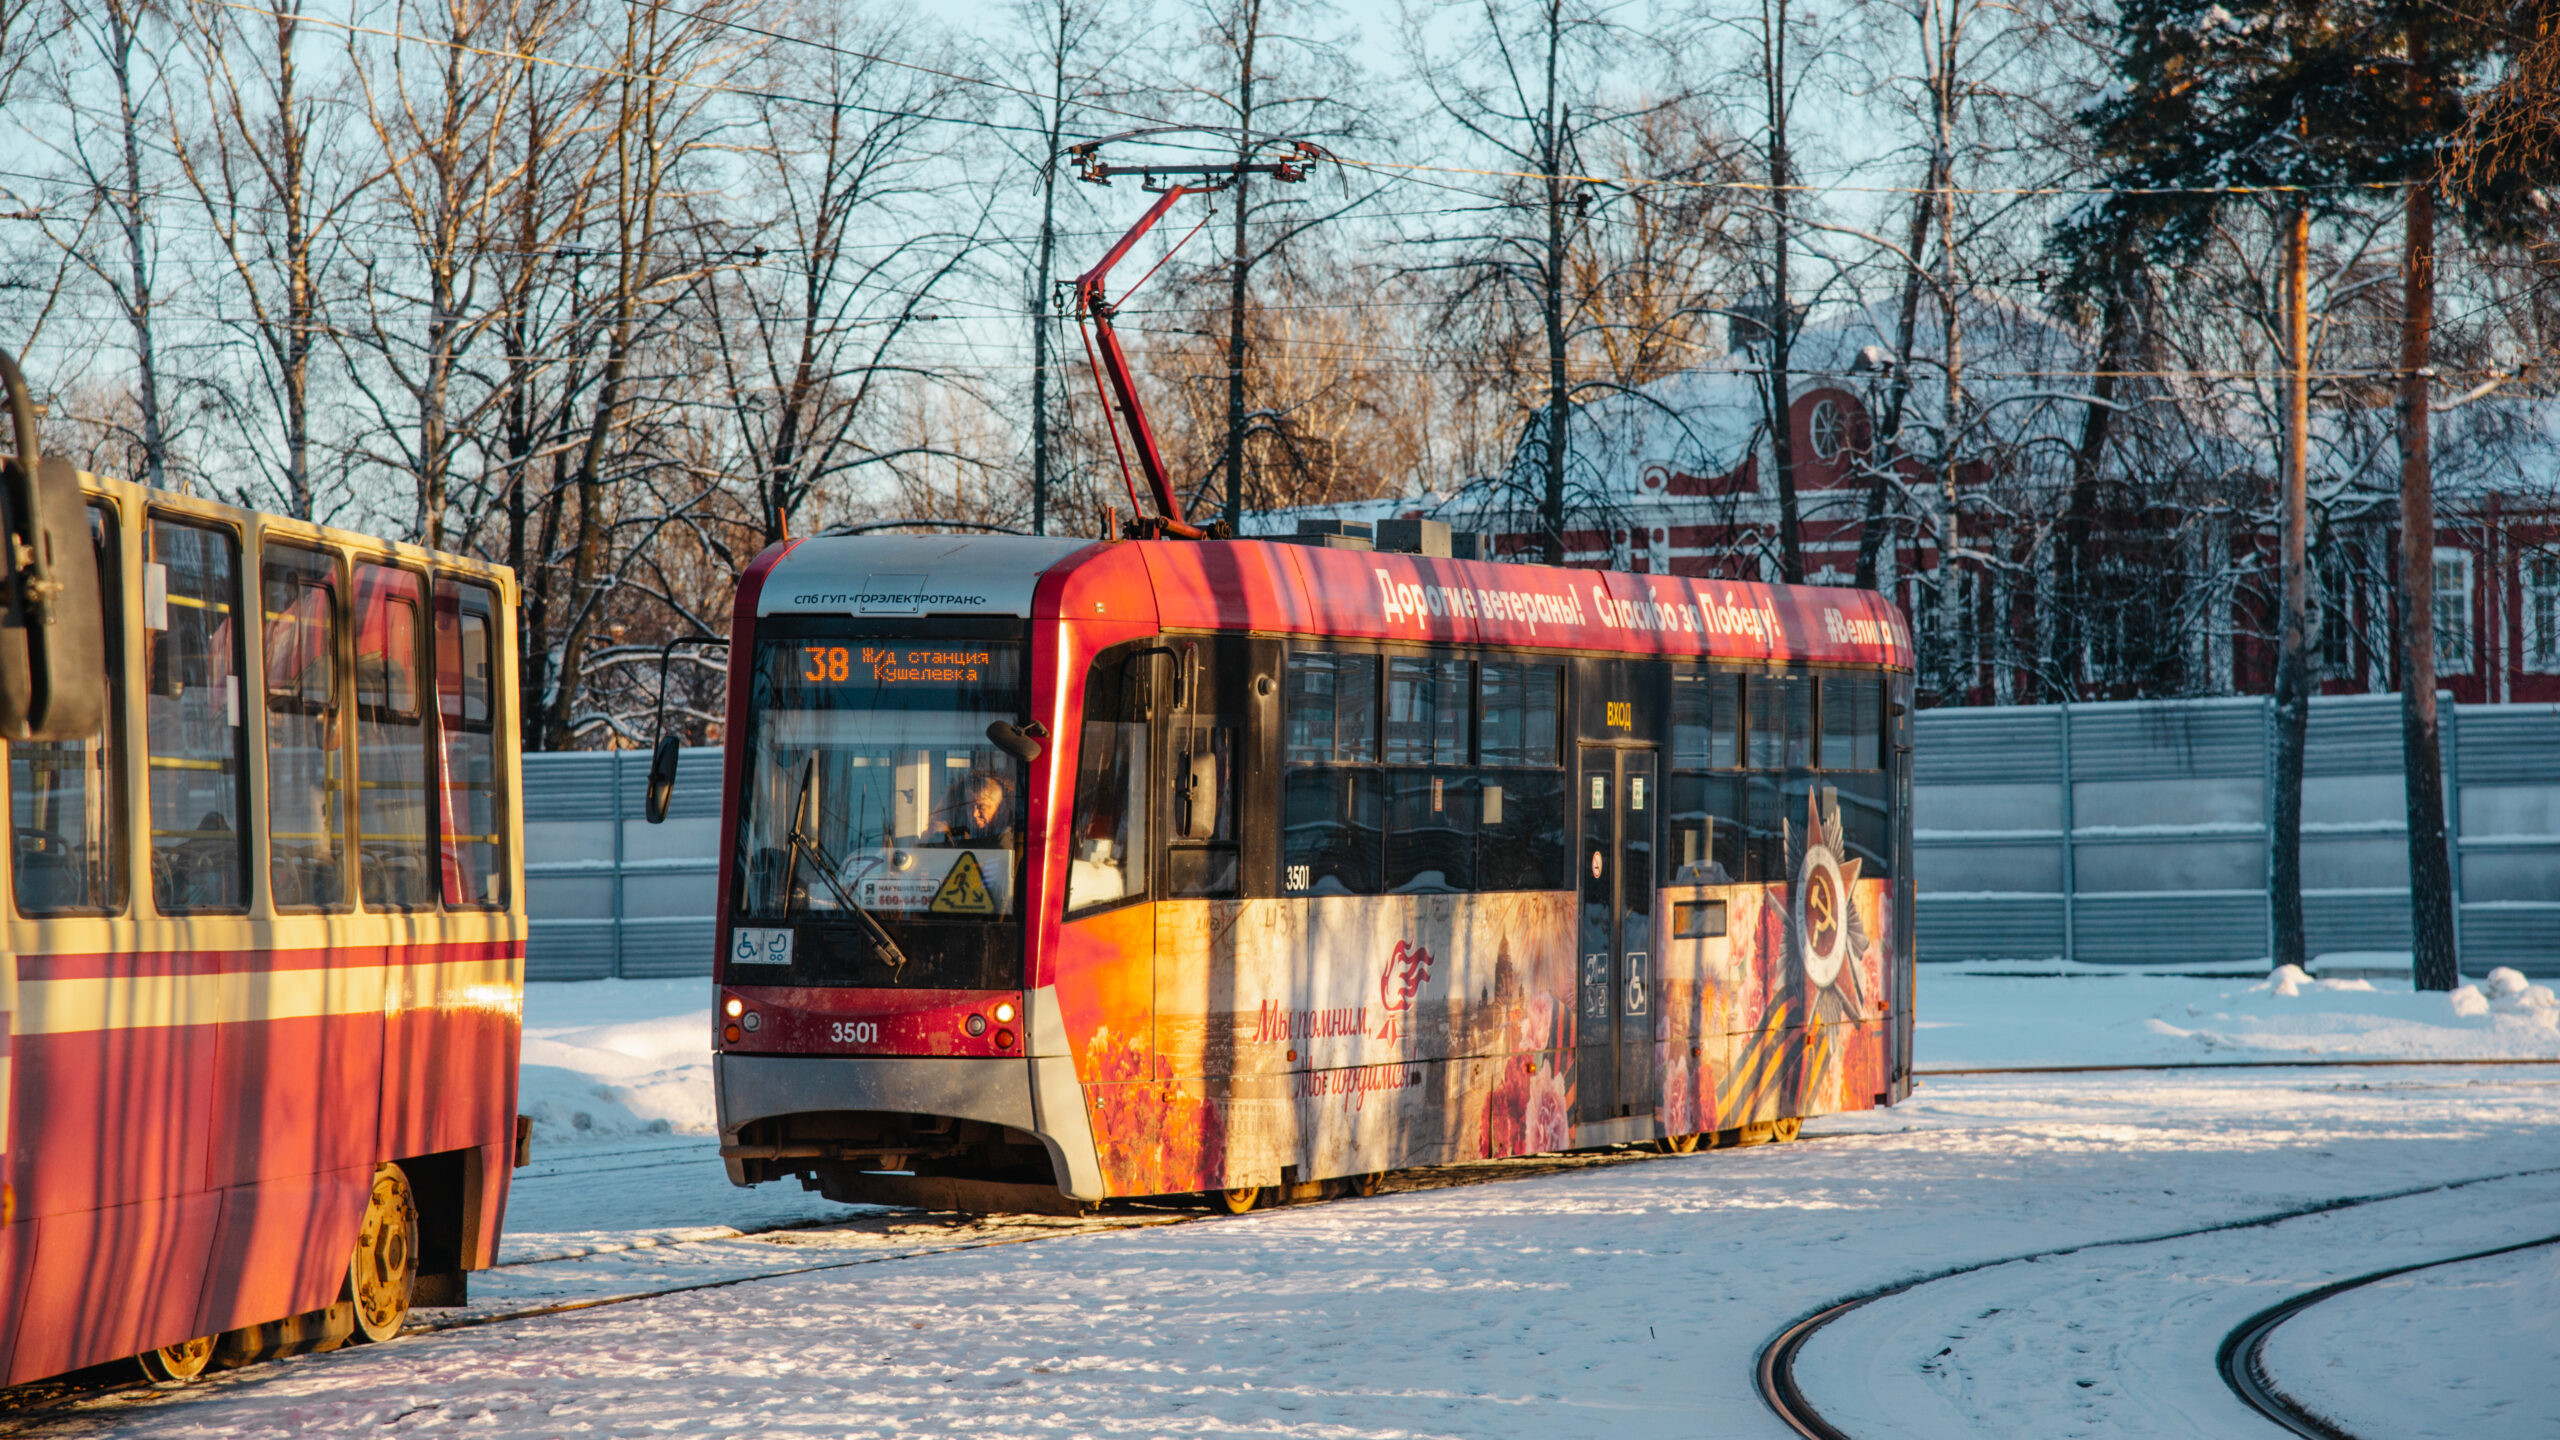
[(1281, 588)]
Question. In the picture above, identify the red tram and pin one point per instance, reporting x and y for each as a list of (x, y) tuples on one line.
[(1141, 867), (263, 979)]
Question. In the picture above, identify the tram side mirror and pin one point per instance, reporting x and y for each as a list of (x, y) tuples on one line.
[(1200, 798), (1022, 742), (662, 780), (53, 671)]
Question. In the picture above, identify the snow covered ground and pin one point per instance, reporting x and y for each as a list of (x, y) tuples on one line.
[(1625, 1299), (2447, 1353)]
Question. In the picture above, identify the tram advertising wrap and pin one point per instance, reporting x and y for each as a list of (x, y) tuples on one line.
[(1086, 869)]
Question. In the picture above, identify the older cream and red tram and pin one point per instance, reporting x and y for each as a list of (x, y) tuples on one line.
[(1155, 866), (263, 977)]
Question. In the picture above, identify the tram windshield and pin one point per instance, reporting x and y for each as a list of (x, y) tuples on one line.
[(879, 748)]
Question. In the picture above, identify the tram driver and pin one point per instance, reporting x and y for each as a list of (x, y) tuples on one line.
[(980, 807)]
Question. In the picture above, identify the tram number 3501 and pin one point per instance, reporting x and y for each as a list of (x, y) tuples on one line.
[(854, 1032)]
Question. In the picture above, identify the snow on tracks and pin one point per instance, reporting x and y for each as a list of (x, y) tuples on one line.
[(1622, 1299)]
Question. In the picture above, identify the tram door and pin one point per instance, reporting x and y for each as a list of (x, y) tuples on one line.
[(1618, 800)]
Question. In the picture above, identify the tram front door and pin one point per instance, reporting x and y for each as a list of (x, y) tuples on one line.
[(1618, 801)]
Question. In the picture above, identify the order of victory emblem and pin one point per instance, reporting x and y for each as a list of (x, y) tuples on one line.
[(1830, 934)]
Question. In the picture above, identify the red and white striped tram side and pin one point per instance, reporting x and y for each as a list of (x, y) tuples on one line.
[(265, 948), (1149, 867)]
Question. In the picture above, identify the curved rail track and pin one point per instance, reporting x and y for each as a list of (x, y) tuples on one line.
[(1775, 1369), (2226, 1065), (2242, 1358)]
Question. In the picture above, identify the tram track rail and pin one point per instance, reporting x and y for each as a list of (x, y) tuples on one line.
[(1774, 1367), (103, 1393), (2242, 1358), (2396, 1063)]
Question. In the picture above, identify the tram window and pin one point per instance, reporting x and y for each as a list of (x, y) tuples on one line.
[(66, 797), (191, 654), (1429, 710), (1523, 829), (1333, 708), (1852, 723), (1523, 705), (1107, 841), (1431, 831), (1706, 720), (1706, 828), (1773, 810), (1202, 858), (472, 821), (1866, 834), (1781, 722), (1331, 829), (392, 833), (304, 618)]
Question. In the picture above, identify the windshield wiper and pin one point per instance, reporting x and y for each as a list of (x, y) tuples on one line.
[(828, 870)]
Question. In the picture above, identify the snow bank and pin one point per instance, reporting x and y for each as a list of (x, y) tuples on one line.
[(615, 1059), (2058, 1014), (611, 1059)]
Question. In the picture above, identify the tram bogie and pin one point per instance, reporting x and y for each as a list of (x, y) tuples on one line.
[(1328, 863)]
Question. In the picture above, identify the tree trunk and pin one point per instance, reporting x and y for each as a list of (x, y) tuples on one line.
[(2071, 614), (2293, 659), (2435, 964), (1781, 329), (1040, 283), (1559, 391), (129, 212), (1888, 435)]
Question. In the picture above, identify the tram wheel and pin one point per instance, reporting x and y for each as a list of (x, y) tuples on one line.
[(183, 1361), (1785, 1130), (1758, 1132), (1367, 1185), (1678, 1144), (1242, 1198), (383, 1273)]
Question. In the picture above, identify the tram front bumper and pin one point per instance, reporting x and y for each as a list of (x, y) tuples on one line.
[(1039, 1096)]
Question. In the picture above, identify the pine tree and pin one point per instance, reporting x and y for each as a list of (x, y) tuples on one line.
[(2219, 105), (2336, 103)]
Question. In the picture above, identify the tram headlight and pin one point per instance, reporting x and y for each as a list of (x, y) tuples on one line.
[(976, 1025), (736, 1007), (1004, 1012), (752, 1021), (730, 1034), (1004, 1039)]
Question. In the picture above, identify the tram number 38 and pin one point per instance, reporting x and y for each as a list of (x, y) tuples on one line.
[(854, 1032)]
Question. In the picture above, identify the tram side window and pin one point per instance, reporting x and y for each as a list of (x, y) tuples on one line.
[(1107, 844), (1706, 832), (1523, 709), (66, 797), (391, 740), (472, 818), (191, 658), (1333, 708), (1853, 762), (1431, 794), (1523, 825), (1333, 802), (1524, 831), (304, 617), (1706, 720)]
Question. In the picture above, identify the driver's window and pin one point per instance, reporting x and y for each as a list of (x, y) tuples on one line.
[(1107, 844), (66, 797)]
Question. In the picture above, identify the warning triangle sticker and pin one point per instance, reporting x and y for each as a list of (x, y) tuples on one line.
[(964, 890)]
